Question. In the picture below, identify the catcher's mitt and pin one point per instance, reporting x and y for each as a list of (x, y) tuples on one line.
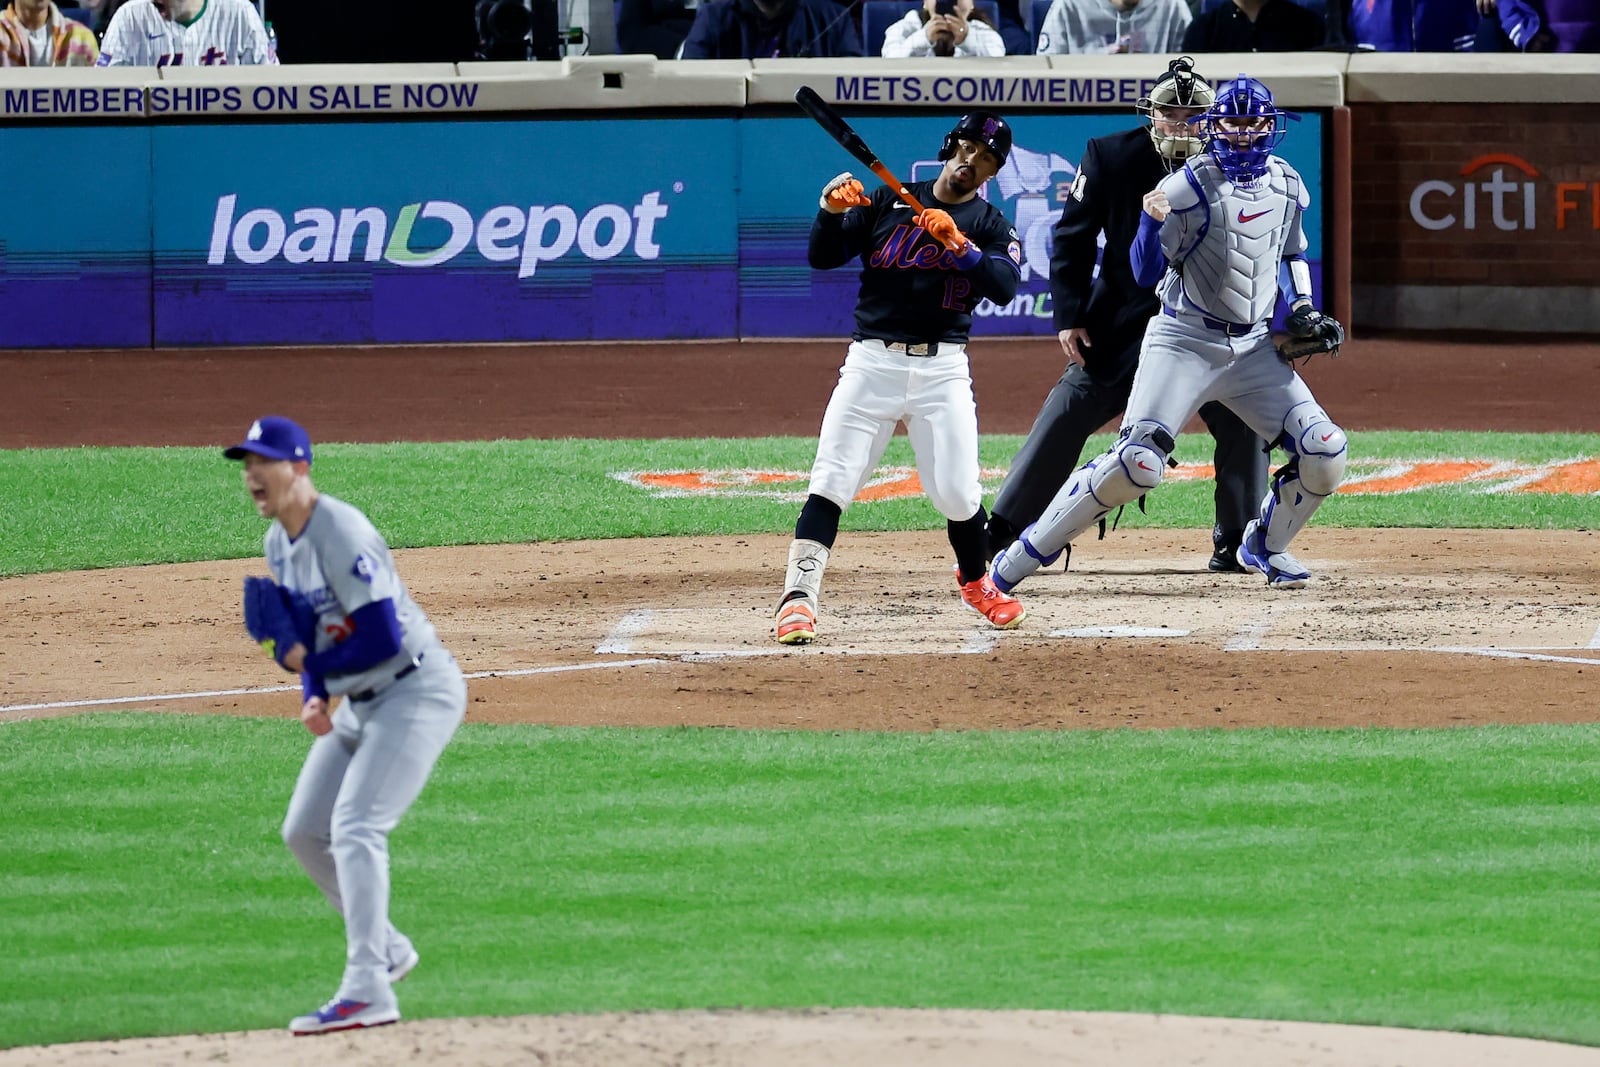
[(1311, 333)]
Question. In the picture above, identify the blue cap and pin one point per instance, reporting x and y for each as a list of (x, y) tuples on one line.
[(274, 437)]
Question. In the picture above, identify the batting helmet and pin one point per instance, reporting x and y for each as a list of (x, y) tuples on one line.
[(980, 127), (1179, 87), (1243, 127)]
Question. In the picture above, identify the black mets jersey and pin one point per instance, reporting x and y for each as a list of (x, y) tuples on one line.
[(911, 288)]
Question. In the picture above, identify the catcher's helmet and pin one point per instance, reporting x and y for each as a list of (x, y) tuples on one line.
[(1243, 127), (1179, 87), (980, 127)]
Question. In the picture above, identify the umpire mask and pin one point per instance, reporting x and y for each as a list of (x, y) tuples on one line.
[(1179, 87)]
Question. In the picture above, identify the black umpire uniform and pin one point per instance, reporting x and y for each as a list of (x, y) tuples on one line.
[(1116, 172)]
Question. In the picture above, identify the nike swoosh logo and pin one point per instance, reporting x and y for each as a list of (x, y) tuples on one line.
[(1327, 436), (1251, 218), (1144, 467), (902, 203)]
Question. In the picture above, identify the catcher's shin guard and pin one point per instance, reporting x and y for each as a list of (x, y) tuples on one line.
[(1125, 472), (802, 589), (1317, 451)]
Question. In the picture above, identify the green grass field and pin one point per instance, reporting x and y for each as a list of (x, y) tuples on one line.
[(80, 508), (1433, 879)]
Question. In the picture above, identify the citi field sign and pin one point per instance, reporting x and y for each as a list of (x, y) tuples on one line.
[(429, 233), (1503, 191)]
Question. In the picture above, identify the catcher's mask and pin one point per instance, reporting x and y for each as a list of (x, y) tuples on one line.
[(1243, 127), (980, 127), (1179, 87)]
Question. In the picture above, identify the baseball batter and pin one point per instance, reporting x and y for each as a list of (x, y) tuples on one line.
[(176, 33), (921, 275), (403, 697), (1224, 237)]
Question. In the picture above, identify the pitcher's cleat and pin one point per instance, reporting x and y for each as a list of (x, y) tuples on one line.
[(344, 1015)]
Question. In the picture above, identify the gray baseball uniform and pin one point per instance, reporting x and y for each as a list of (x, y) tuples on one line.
[(1223, 241), (394, 721)]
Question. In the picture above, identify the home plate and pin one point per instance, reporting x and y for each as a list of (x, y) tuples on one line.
[(1120, 631)]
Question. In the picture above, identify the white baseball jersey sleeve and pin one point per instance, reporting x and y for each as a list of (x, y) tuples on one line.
[(225, 32)]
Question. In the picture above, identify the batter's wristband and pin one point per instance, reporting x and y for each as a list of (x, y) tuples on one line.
[(971, 257)]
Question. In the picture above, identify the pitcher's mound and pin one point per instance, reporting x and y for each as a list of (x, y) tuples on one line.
[(847, 1038)]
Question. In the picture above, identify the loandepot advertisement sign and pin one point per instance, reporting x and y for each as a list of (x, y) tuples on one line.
[(505, 233), (428, 231), (487, 229)]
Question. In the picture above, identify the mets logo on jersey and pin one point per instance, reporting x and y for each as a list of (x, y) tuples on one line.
[(903, 251), (362, 569)]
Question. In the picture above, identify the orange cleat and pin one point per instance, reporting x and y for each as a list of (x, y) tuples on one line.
[(1003, 611), (797, 622)]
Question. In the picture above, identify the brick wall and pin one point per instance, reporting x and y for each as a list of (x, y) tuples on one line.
[(1398, 147)]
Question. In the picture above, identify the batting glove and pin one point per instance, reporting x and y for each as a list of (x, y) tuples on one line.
[(842, 194), (942, 228)]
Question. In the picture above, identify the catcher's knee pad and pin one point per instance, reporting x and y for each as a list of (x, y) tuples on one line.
[(1319, 446), (1141, 454)]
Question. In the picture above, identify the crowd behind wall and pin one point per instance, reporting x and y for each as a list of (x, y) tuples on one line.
[(398, 31)]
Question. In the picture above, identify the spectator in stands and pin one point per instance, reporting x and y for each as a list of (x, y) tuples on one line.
[(1014, 28), (769, 29), (1548, 25), (1085, 26), (653, 27), (100, 12), (943, 28), (1408, 25), (192, 33), (1256, 26), (34, 33)]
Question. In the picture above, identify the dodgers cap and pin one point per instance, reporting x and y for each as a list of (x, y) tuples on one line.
[(274, 437)]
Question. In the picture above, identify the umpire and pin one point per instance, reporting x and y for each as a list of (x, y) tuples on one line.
[(1101, 321)]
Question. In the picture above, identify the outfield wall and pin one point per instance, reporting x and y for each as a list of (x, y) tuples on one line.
[(488, 201)]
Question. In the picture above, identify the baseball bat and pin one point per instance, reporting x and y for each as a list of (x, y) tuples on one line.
[(850, 141)]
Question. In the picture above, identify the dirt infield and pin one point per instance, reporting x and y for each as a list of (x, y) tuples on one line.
[(1472, 629), (1402, 627)]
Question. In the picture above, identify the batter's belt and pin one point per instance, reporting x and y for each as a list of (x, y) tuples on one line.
[(923, 349)]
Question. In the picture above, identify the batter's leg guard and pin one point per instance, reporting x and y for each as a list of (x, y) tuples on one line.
[(802, 588), (1128, 470)]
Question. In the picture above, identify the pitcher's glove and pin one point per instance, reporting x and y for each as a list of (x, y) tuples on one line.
[(276, 618), (1311, 333), (842, 194)]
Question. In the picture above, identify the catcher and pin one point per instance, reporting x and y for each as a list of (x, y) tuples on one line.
[(1223, 237), (335, 612)]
